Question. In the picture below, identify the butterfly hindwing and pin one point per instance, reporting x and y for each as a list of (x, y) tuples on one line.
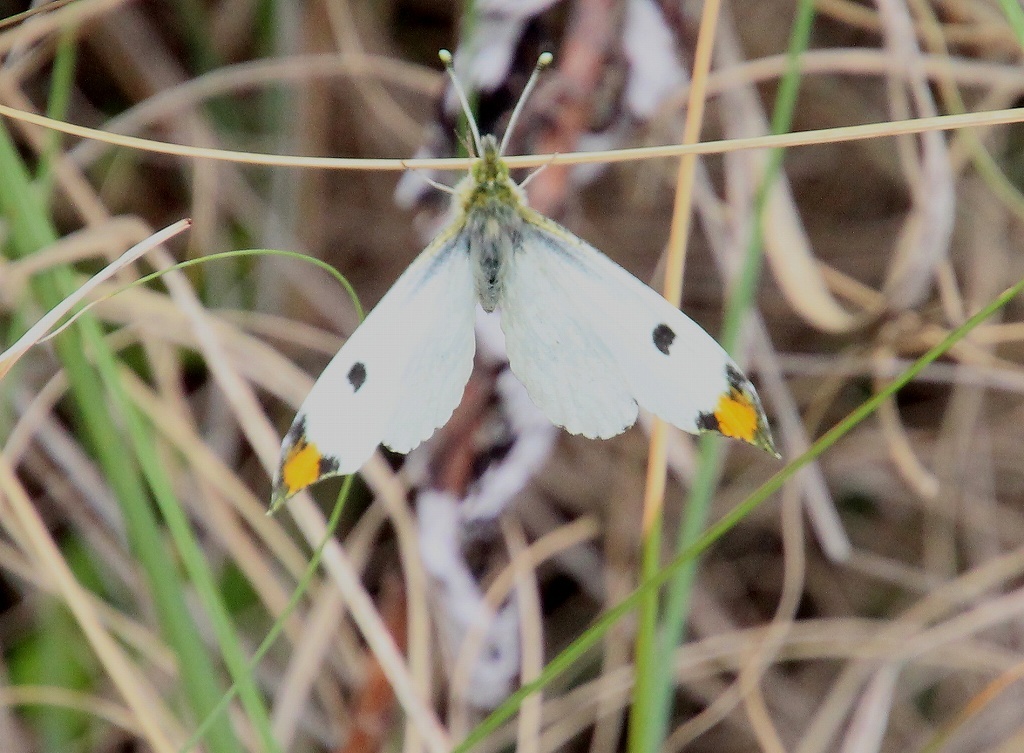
[(615, 344), (397, 378), (553, 346)]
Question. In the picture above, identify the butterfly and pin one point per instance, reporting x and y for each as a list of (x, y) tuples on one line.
[(590, 342)]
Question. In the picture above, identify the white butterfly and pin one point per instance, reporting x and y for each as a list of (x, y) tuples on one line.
[(589, 341)]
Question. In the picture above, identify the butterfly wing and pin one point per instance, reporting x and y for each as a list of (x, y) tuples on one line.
[(553, 342), (591, 342), (397, 378)]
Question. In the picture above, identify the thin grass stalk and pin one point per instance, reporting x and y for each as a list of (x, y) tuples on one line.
[(191, 556), (1015, 17), (643, 736), (278, 627), (590, 639), (56, 107), (830, 135), (985, 164), (59, 667), (741, 298), (30, 230), (195, 22), (138, 697)]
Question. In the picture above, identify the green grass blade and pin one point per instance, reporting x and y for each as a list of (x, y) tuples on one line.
[(278, 627), (677, 600), (30, 230), (1015, 16), (56, 107), (191, 554)]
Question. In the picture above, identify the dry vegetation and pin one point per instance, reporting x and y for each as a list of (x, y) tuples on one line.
[(873, 604)]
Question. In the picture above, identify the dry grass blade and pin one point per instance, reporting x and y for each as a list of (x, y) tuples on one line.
[(41, 329), (151, 714), (1007, 116)]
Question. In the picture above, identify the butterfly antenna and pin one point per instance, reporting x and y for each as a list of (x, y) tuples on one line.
[(446, 58), (542, 62)]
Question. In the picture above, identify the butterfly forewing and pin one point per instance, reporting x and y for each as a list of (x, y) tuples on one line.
[(397, 378), (638, 348), (439, 366)]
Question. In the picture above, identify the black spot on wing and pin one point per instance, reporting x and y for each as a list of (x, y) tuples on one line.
[(357, 376), (297, 432), (328, 465), (708, 422), (663, 337), (296, 437), (736, 380)]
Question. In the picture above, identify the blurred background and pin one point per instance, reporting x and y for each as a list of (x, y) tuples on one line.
[(874, 604)]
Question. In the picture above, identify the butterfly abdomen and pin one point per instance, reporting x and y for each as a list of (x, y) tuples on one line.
[(494, 233)]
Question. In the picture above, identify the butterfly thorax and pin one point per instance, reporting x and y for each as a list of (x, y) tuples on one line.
[(492, 204)]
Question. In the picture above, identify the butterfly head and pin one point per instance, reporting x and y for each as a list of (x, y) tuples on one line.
[(490, 170)]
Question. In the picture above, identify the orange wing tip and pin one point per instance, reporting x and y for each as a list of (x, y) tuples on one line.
[(739, 415), (302, 464)]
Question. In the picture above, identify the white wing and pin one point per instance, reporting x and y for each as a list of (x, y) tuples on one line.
[(554, 349), (591, 342), (397, 378)]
